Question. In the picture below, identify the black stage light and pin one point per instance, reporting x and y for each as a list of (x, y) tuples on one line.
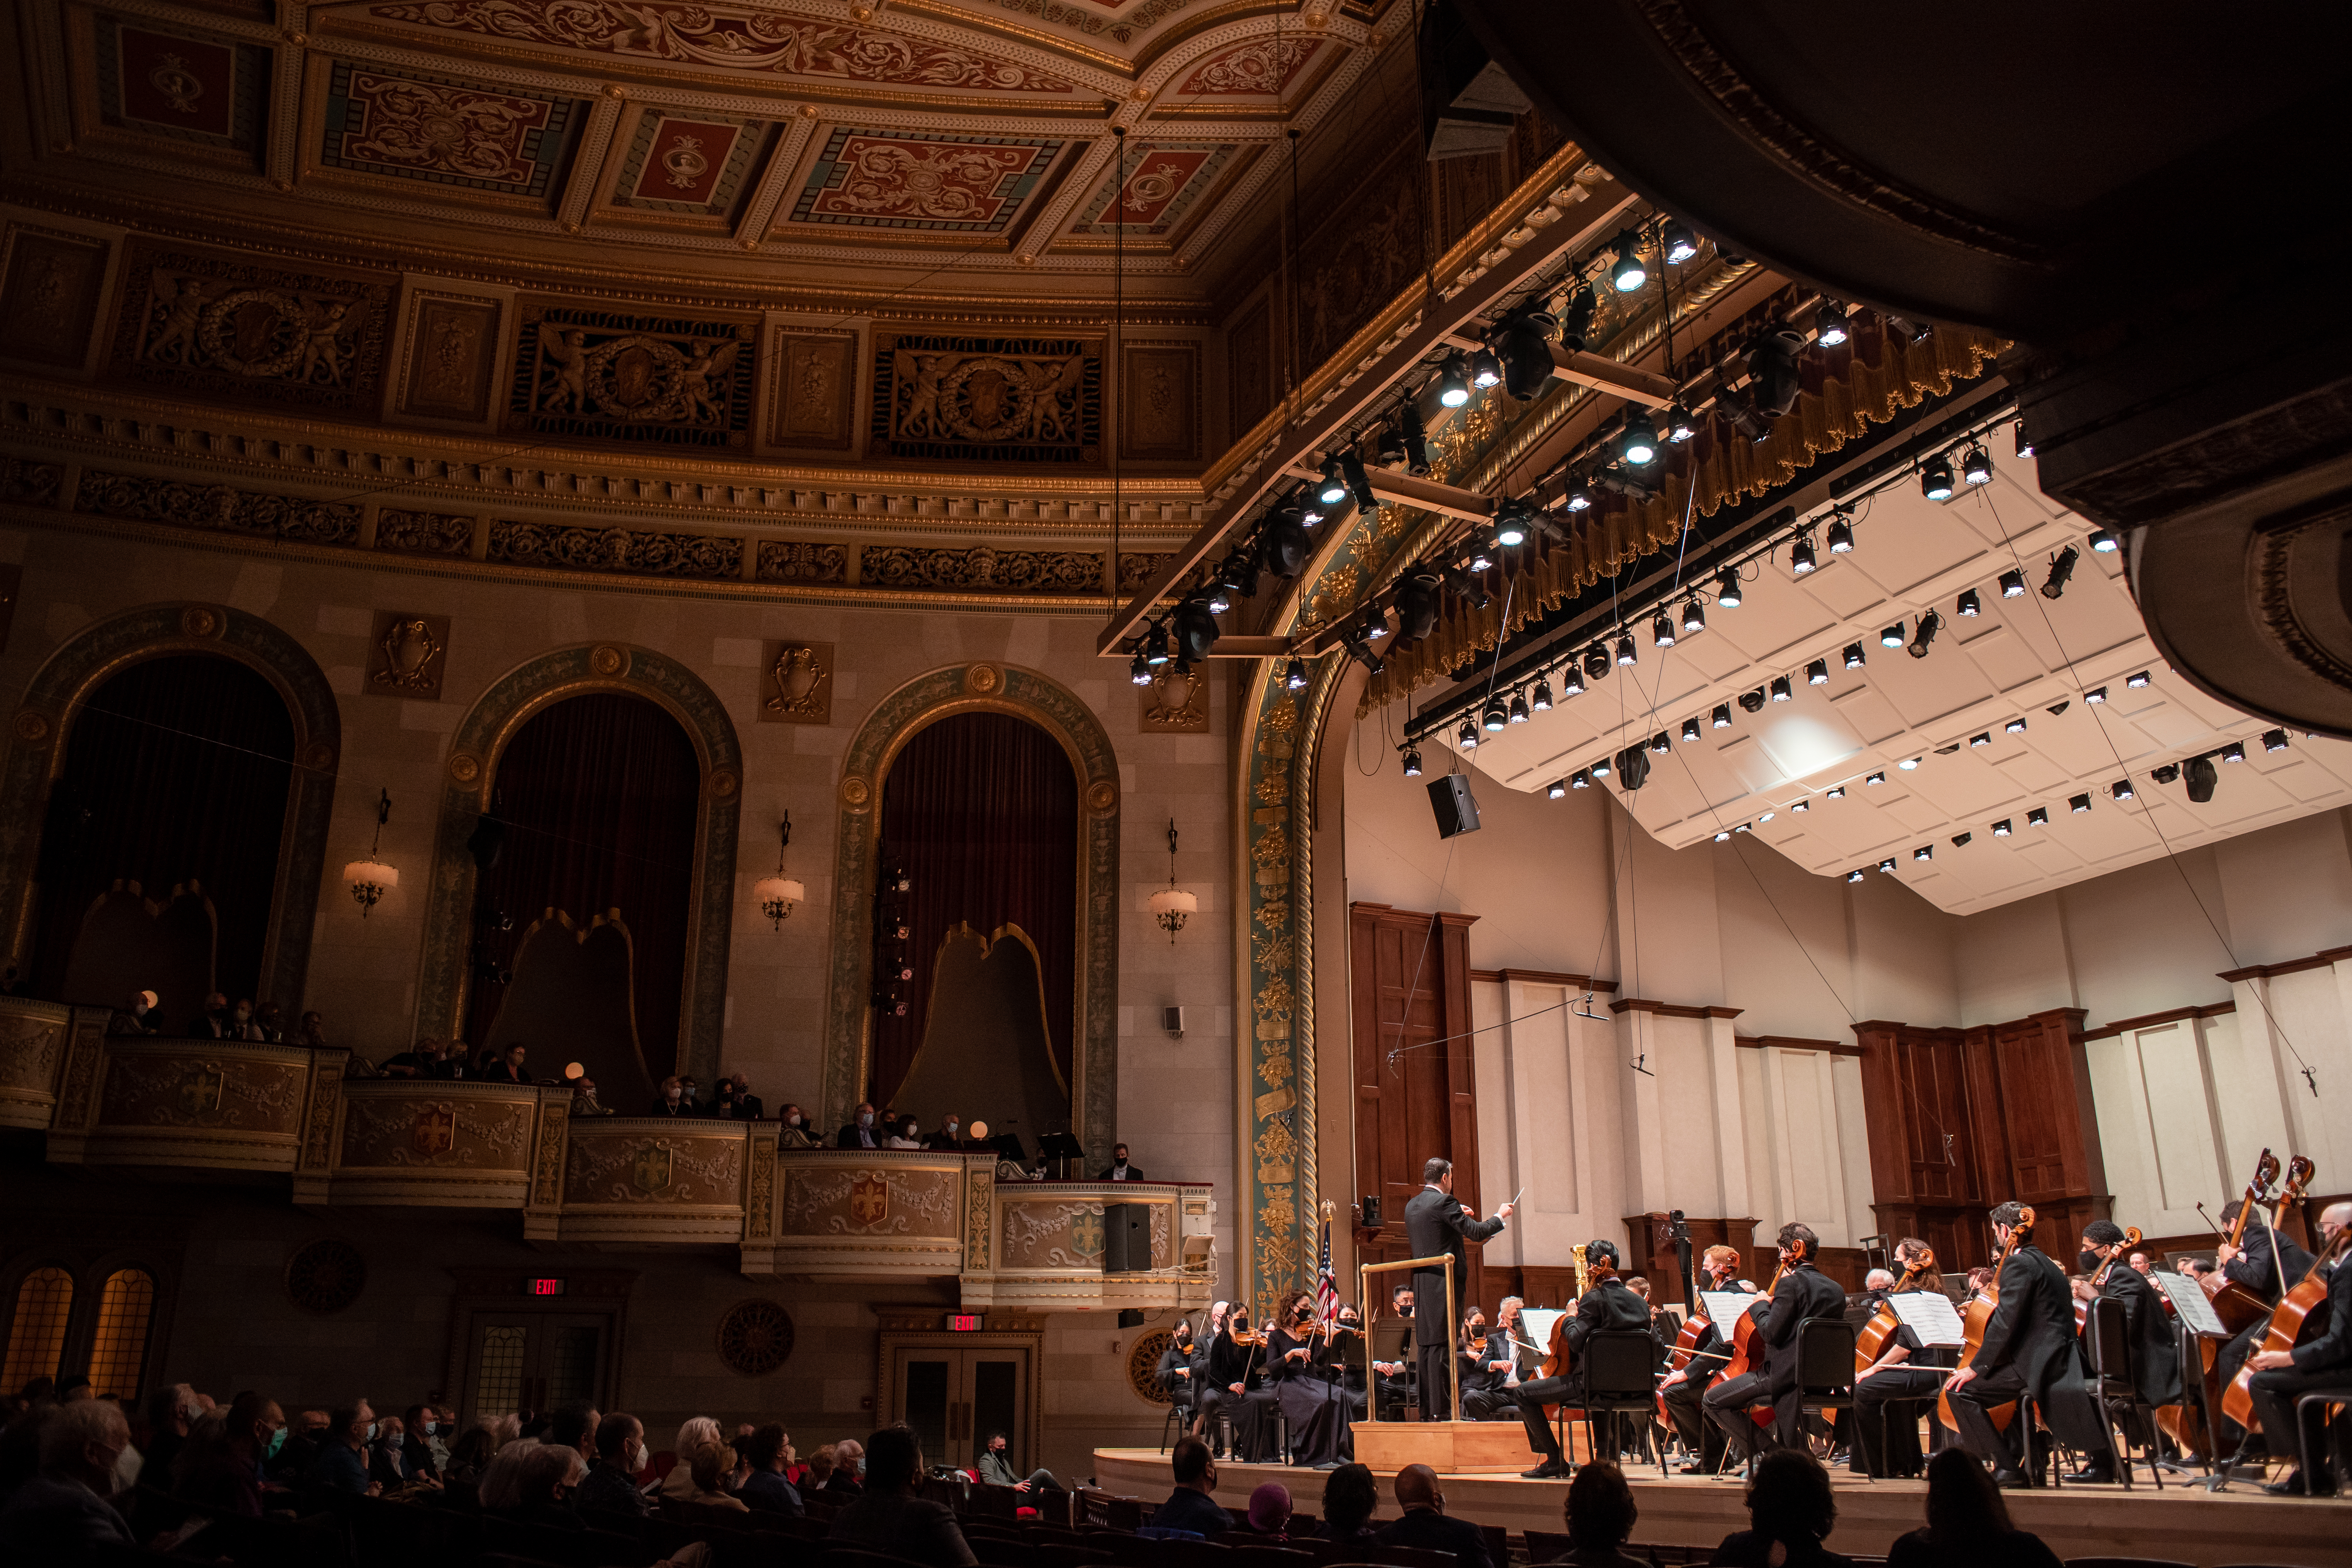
[(1625, 653), (1485, 370), (2014, 727), (1679, 243), (1137, 670), (1518, 708), (2096, 694), (1360, 483), (1571, 679), (1721, 718), (1969, 604), (1454, 381), (1840, 535), (2235, 752), (1638, 442), (1633, 768), (1467, 737), (1415, 438), (1853, 656), (1283, 544), (1975, 466), (1155, 646), (1752, 701), (1723, 836), (1678, 425), (1601, 769), (2038, 817), (1375, 626), (1579, 779), (2103, 541), (1661, 743), (1829, 324), (1541, 699), (2122, 789), (1411, 762), (1772, 365), (1800, 555), (1293, 675), (2078, 803), (2002, 829), (1418, 599), (1495, 716), (2013, 583), (1523, 344), (1960, 840), (1935, 479), (1727, 589), (2168, 773), (1333, 487), (1578, 496), (1196, 630), (1929, 625), (1779, 688), (1662, 630), (1510, 527), (1690, 730), (1985, 739), (1892, 636), (2025, 445), (1836, 792), (1627, 272), (1854, 876), (2274, 740), (2062, 566), (1888, 867), (1596, 661), (1576, 312), (1817, 673), (1925, 852), (1694, 616), (1387, 448), (1877, 778), (1473, 588), (2137, 681), (1557, 788)]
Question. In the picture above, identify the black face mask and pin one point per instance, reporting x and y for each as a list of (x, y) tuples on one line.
[(2087, 1262)]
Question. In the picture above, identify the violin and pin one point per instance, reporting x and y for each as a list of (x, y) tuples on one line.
[(1976, 1316), (2300, 1312), (2238, 1308)]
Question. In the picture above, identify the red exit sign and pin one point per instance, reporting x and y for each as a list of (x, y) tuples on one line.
[(966, 1322), (547, 1286)]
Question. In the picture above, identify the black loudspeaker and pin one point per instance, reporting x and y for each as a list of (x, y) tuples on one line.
[(1130, 1317), (1369, 1209), (1126, 1237), (1449, 796)]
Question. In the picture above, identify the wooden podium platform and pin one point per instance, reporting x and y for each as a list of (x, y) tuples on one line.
[(1454, 1448)]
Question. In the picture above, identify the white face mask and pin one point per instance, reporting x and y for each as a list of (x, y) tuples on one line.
[(952, 1128), (371, 1433), (642, 1459), (866, 1118), (792, 1121), (431, 1428)]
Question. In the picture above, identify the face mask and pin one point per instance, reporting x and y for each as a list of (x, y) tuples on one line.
[(431, 1428), (791, 1122), (276, 1441), (675, 1095), (2087, 1262), (371, 1432), (951, 1129), (243, 1017), (866, 1118)]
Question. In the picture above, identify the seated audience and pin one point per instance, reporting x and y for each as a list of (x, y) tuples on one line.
[(241, 1024), (996, 1468), (417, 1061), (1600, 1512), (220, 1467), (573, 1426), (422, 1424), (611, 1481), (1350, 1497), (672, 1098), (891, 1519), (1425, 1526), (507, 1067), (170, 1412), (848, 1468), (470, 1458), (1967, 1524), (527, 1483), (797, 1133), (212, 1023), (711, 1467), (342, 1464), (948, 1136), (736, 1102), (905, 1133), (1269, 1512), (765, 1490), (269, 1025), (132, 1017), (387, 1463), (1193, 1505), (860, 1133), (65, 1511), (1789, 1513), (584, 1098), (820, 1469), (304, 1437), (312, 1034), (693, 1433)]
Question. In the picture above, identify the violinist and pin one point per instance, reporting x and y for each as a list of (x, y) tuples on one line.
[(1607, 1305), (1174, 1375), (2268, 1264), (1903, 1377), (1313, 1412), (1206, 1340), (1235, 1387), (1800, 1292), (1686, 1386), (2155, 1343), (2028, 1345), (2322, 1364), (1485, 1371), (1341, 1358)]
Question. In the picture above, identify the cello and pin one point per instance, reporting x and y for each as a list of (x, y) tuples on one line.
[(1559, 1355), (2298, 1314), (2238, 1308), (1871, 1343), (1744, 1341), (1973, 1318)]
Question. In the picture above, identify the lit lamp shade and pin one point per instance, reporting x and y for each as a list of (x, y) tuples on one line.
[(777, 895), (1174, 901), (370, 880)]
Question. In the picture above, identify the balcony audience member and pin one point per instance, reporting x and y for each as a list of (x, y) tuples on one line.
[(470, 1458), (1600, 1512), (712, 1467), (796, 1133), (452, 1065), (1789, 1513), (421, 1424), (611, 1481), (692, 1090), (906, 1132), (417, 1061), (672, 1100), (312, 1034), (507, 1067), (1423, 1525), (848, 1477), (1968, 1522), (269, 1025), (220, 1466), (890, 1519), (213, 1022), (697, 1431), (859, 1134), (1350, 1497), (242, 1023), (65, 1512), (584, 1098), (765, 1490), (527, 1483), (996, 1468), (948, 1136), (736, 1102), (342, 1465), (132, 1017), (1119, 1170), (1193, 1506)]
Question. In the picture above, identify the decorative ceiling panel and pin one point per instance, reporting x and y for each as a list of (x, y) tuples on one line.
[(1260, 67), (689, 164), (1164, 180), (918, 180), (445, 132), (181, 85)]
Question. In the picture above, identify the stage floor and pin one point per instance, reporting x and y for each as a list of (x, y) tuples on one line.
[(2182, 1524)]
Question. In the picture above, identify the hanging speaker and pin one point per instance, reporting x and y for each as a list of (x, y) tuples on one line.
[(1467, 101), (1449, 796)]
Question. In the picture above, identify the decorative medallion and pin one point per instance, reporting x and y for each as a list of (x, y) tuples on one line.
[(464, 767), (796, 683), (50, 295), (855, 791), (651, 1171), (1154, 186), (607, 661), (453, 357), (32, 728), (1086, 1233), (724, 784), (405, 655), (201, 322), (755, 1338), (184, 87), (325, 1276), (632, 378), (934, 183), (1159, 416), (317, 755), (1175, 704), (696, 164), (1144, 1366), (1101, 795), (200, 1090), (982, 678), (435, 1128), (869, 1200), (1022, 400), (814, 392), (445, 132), (1259, 69), (200, 621)]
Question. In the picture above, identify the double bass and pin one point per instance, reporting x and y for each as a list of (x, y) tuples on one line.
[(1975, 1316), (2238, 1308), (2300, 1312)]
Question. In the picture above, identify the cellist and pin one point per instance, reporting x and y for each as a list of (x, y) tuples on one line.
[(2028, 1345), (2268, 1265), (2155, 1343), (1903, 1372), (2321, 1364), (1607, 1305), (1685, 1386), (1798, 1292)]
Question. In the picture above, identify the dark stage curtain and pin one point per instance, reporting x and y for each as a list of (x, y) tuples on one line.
[(598, 795), (983, 811), (176, 771)]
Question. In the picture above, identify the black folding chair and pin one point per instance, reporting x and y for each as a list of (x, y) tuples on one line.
[(2112, 1384), (1825, 1369), (1618, 1367)]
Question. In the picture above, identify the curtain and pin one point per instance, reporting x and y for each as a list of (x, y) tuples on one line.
[(598, 795), (981, 810), (176, 770)]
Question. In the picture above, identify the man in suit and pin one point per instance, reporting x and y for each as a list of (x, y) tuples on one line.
[(2155, 1344), (1607, 1305), (1120, 1171), (1436, 1222), (2027, 1347), (1425, 1526), (736, 1102), (859, 1134), (2322, 1364), (1803, 1292)]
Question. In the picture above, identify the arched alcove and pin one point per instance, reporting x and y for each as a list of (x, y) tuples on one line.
[(887, 732)]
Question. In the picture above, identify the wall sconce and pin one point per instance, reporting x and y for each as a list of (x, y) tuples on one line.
[(779, 893), (370, 878), (1171, 906)]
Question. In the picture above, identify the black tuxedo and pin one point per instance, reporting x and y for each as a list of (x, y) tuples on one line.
[(1434, 1224), (1803, 1292), (849, 1138), (2028, 1346), (2155, 1344), (2254, 1267), (1608, 1305), (2323, 1364), (1134, 1173)]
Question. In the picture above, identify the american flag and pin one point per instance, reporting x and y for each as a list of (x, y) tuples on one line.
[(1327, 1285)]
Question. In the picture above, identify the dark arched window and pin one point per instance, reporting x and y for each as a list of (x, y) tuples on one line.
[(37, 1330), (159, 858), (597, 797)]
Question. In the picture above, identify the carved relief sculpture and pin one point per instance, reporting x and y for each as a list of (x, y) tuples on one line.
[(814, 391), (1161, 413), (796, 683), (49, 294), (988, 399), (589, 373), (450, 368), (929, 181), (405, 654), (217, 508), (201, 322), (1175, 704)]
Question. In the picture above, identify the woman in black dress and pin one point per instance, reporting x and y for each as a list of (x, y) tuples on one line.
[(1315, 1411)]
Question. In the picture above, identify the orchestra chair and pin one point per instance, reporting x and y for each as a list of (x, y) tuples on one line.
[(2329, 1400), (1825, 1371), (2111, 1378), (1619, 1366)]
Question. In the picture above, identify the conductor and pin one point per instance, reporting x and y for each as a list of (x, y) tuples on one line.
[(1436, 1222)]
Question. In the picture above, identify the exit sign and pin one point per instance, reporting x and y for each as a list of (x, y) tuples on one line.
[(966, 1322), (546, 1287)]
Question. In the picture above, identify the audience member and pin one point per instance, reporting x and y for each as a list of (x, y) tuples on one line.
[(888, 1518), (527, 1483), (132, 1017), (470, 1458), (387, 1458), (312, 1034), (221, 1465), (169, 1413), (797, 1134), (848, 1468), (1269, 1512), (507, 1067), (1423, 1525), (242, 1025), (417, 1061), (736, 1101), (695, 1431), (306, 1437), (1601, 1511), (1193, 1505), (1967, 1524), (906, 1132), (66, 1511), (611, 1481), (212, 1023), (820, 1469), (421, 1425), (269, 1025), (711, 1467), (1350, 1497), (996, 1468), (672, 1098), (1789, 1513), (693, 1090), (765, 1490), (859, 1134), (342, 1465), (574, 1426), (949, 1135)]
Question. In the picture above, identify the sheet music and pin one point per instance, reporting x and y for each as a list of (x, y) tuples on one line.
[(1724, 1307), (2188, 1300), (1929, 1315), (1534, 1325)]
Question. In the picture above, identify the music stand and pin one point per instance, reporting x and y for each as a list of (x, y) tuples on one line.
[(1008, 1147), (1062, 1148)]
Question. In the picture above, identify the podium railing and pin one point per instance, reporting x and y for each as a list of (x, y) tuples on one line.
[(1452, 1362)]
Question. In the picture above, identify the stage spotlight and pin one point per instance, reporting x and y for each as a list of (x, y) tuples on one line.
[(1818, 672), (2103, 541), (2078, 803), (2024, 447), (1727, 589), (2122, 790), (1980, 741), (1908, 764), (1295, 676), (1800, 555), (1628, 273), (1694, 616), (1970, 605), (1571, 679), (1482, 555), (1195, 627), (1415, 436), (1679, 243), (1929, 625), (1662, 630), (1333, 490), (1935, 479), (2274, 740), (1721, 718), (1723, 836), (1690, 730), (1137, 670), (1633, 769), (1854, 876), (1840, 535), (1596, 661), (1877, 778), (1579, 779), (1774, 378), (1283, 545), (1557, 788), (1888, 865), (1601, 769), (2038, 817), (1454, 381), (1419, 599), (2168, 773), (1578, 496), (1155, 647), (1743, 828), (1411, 762), (2062, 566), (1219, 595), (1495, 716), (1829, 324), (1679, 427), (1801, 806), (1625, 653), (1638, 442), (2235, 752), (2013, 583), (1511, 525), (1781, 688), (2014, 727), (1360, 483), (1854, 659), (1661, 743), (1752, 701), (1892, 636), (1485, 370), (1576, 312), (2002, 829), (1541, 699), (1763, 817), (2136, 682), (1836, 792), (1468, 737), (2096, 694), (1925, 852), (1975, 466), (1960, 840), (1518, 708)]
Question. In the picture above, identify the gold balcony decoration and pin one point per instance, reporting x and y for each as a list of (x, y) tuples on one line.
[(779, 893), (370, 879), (1171, 906)]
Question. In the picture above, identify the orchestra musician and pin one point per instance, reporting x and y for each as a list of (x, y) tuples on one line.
[(1174, 1374), (2027, 1347), (2155, 1343), (2268, 1264), (2322, 1364), (1607, 1305), (1904, 1374), (1436, 1222), (1341, 1358), (1686, 1386), (1314, 1414), (1801, 1291), (1236, 1388), (1485, 1361), (1204, 1397), (1526, 1357)]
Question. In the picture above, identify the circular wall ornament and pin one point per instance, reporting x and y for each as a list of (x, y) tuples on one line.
[(317, 756), (607, 661), (1144, 1366), (984, 679), (200, 621), (325, 1276), (464, 767), (723, 784), (855, 791), (1101, 795), (32, 727), (755, 1338)]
